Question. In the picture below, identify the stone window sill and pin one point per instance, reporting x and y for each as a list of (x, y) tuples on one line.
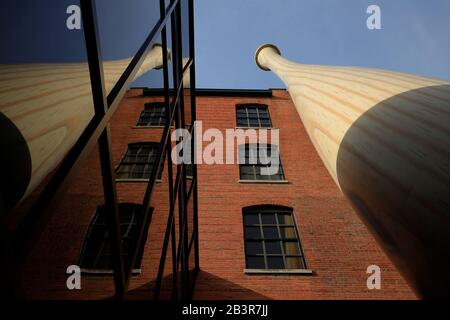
[(264, 181), (279, 271)]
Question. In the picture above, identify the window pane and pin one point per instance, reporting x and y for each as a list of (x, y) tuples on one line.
[(94, 244), (285, 219), (288, 233), (247, 177), (263, 114), (135, 175), (106, 248), (127, 230), (97, 245), (125, 246), (273, 247), (189, 170), (291, 248), (247, 169), (275, 263), (270, 232), (268, 218), (139, 168), (255, 263), (87, 261), (137, 164), (254, 247), (260, 176), (104, 263), (250, 159), (247, 172), (279, 244), (251, 218), (252, 233), (242, 122), (133, 150), (294, 263), (145, 175), (265, 173), (265, 123), (253, 116), (122, 175), (98, 234)]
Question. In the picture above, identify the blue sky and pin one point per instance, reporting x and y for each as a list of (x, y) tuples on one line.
[(414, 36)]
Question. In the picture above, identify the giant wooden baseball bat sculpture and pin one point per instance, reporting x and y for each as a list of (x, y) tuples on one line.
[(385, 139), (44, 108)]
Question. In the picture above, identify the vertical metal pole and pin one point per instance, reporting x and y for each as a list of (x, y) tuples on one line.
[(182, 197), (170, 220), (194, 196), (174, 260), (100, 106), (176, 82)]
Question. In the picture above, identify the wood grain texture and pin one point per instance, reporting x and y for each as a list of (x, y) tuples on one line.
[(51, 105), (330, 99), (384, 137)]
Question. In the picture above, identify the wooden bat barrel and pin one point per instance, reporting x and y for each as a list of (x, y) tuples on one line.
[(44, 108), (384, 137)]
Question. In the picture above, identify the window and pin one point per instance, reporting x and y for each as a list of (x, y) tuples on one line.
[(139, 161), (189, 170), (96, 253), (260, 162), (271, 239), (253, 116), (153, 115)]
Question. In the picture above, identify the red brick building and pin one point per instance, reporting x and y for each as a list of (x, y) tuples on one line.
[(335, 248)]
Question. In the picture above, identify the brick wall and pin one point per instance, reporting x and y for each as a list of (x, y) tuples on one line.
[(62, 240), (337, 246)]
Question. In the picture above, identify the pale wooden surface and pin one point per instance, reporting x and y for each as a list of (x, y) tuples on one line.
[(51, 104), (384, 137), (330, 99)]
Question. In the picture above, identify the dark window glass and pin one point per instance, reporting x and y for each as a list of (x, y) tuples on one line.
[(189, 170), (255, 247), (268, 219), (153, 115), (256, 262), (252, 232), (273, 247), (96, 252), (275, 263), (271, 233), (251, 219), (139, 161), (271, 239), (260, 162), (253, 116)]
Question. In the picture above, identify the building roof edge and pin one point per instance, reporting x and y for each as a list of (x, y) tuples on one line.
[(211, 92)]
